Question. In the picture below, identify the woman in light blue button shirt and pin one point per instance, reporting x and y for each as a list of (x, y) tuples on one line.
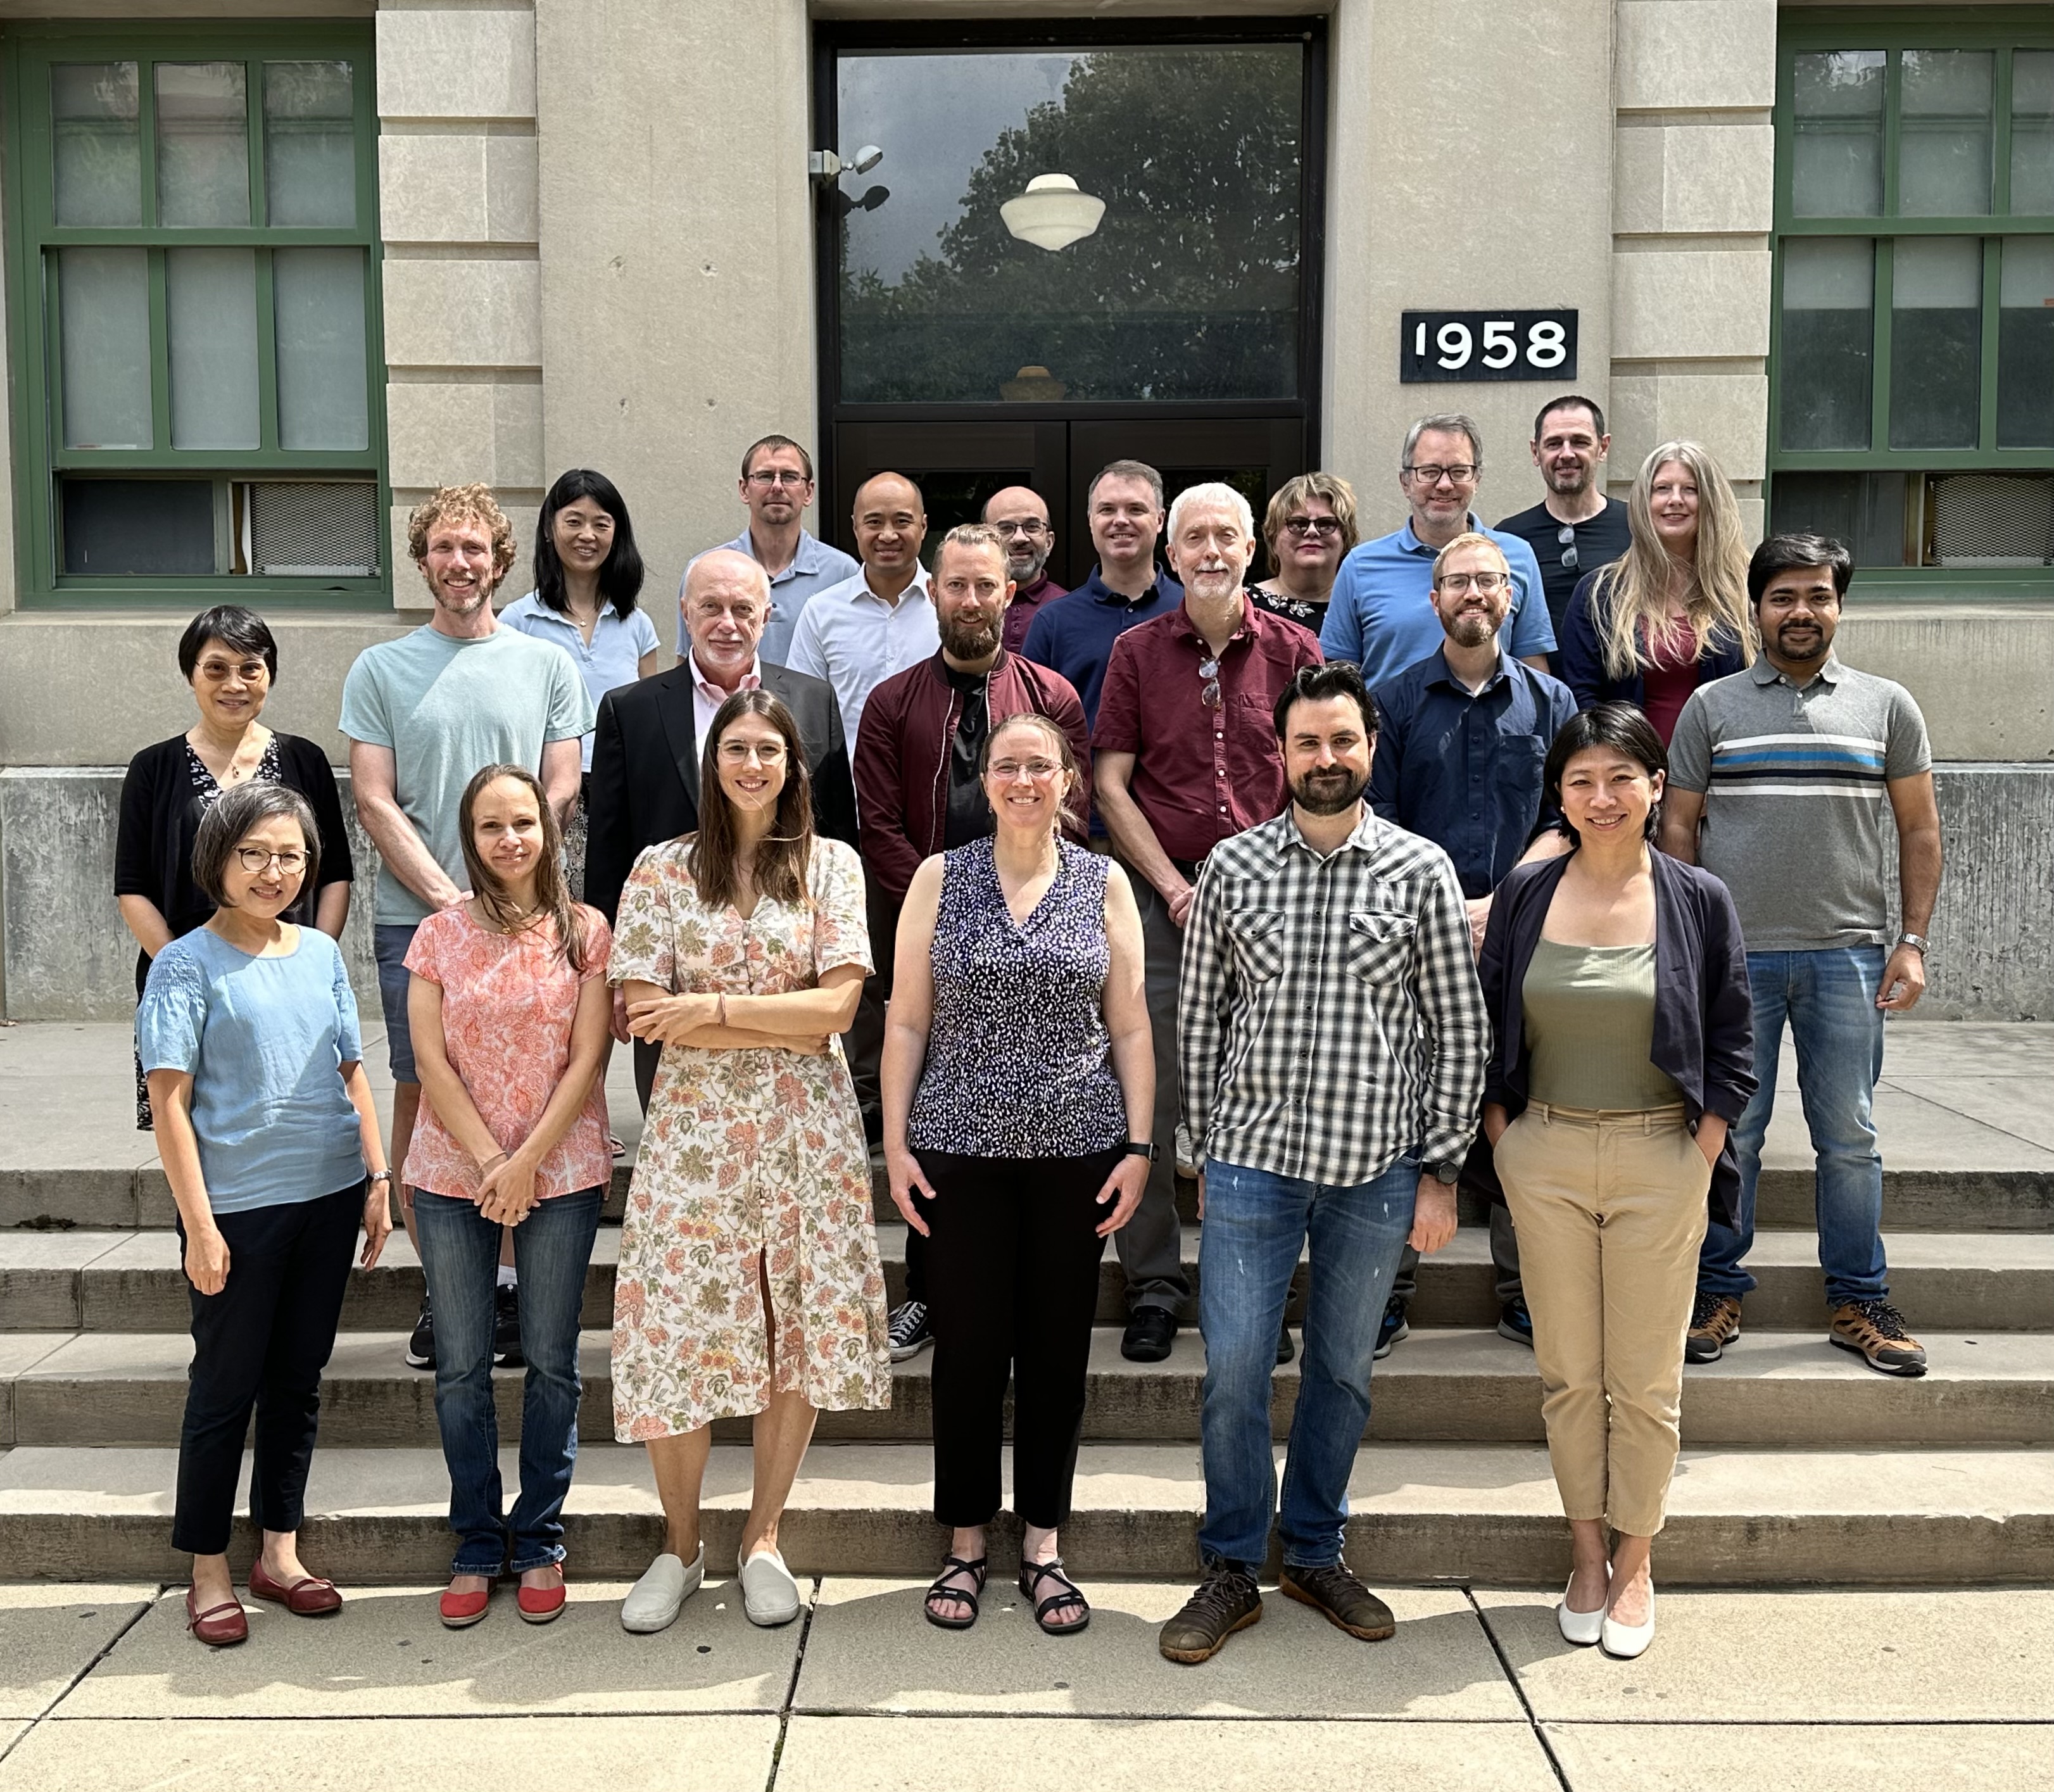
[(588, 575)]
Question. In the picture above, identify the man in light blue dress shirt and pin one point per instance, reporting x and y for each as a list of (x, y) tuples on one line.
[(777, 484), (1381, 614)]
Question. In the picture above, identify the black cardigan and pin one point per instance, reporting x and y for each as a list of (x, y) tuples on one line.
[(1704, 1010), (160, 817)]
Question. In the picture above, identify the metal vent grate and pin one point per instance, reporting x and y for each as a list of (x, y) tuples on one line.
[(311, 528), (1993, 519)]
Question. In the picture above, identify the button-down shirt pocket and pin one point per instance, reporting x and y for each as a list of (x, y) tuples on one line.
[(1257, 935), (1379, 944)]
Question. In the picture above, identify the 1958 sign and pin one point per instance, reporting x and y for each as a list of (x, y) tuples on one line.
[(1444, 345)]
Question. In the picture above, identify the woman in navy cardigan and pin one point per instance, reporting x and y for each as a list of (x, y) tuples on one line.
[(1617, 984)]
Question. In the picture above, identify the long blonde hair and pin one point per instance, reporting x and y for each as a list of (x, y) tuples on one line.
[(1631, 596)]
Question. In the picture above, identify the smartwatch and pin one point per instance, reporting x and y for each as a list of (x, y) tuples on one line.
[(1138, 1147)]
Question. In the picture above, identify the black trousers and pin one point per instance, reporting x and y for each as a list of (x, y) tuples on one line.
[(1012, 1269), (262, 1342)]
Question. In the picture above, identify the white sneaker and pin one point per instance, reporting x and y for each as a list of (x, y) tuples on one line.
[(653, 1601), (770, 1594), (1627, 1640)]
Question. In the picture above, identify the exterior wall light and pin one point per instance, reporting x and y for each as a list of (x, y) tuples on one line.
[(1052, 214)]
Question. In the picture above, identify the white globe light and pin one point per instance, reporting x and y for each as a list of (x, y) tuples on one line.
[(1052, 214)]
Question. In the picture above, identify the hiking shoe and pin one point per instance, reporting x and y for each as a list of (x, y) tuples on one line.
[(1227, 1600), (1875, 1331), (421, 1344), (1515, 1324), (909, 1330), (1393, 1329), (1340, 1598), (506, 1327), (1714, 1324)]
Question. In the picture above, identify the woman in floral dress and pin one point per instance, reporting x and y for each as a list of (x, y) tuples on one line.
[(748, 1280)]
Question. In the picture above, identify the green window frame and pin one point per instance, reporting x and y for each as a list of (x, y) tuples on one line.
[(243, 478), (2002, 33)]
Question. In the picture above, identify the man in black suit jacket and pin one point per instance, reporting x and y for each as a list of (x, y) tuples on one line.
[(646, 748)]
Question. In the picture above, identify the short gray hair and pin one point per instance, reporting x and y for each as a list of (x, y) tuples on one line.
[(1212, 491), (225, 826), (1449, 423)]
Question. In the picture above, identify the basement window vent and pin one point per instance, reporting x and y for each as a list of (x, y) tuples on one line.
[(1991, 519), (307, 528)]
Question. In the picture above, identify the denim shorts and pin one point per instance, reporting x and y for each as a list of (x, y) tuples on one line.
[(389, 942)]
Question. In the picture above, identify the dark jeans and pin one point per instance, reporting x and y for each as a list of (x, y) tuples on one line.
[(1014, 1259), (262, 1342), (1150, 1244), (460, 1253)]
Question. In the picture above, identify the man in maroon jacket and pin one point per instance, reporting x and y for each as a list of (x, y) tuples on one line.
[(918, 786)]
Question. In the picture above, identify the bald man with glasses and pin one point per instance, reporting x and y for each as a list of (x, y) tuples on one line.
[(1021, 518)]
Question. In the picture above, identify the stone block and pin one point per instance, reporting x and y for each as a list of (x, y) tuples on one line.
[(444, 188), (1695, 54), (1682, 179), (1727, 412), (448, 432), (1620, 1757), (1677, 304), (462, 312), (50, 1635), (457, 64)]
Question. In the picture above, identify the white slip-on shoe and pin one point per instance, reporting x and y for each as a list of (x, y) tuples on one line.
[(770, 1594), (1625, 1640), (653, 1601), (1580, 1628)]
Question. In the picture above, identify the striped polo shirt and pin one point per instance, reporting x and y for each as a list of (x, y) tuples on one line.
[(1795, 779)]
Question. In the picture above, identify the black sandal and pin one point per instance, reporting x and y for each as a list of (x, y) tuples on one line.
[(955, 1565), (1032, 1574)]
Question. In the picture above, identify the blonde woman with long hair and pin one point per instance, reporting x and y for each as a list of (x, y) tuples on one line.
[(1672, 613)]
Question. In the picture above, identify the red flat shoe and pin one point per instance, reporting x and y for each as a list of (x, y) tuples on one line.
[(310, 1596), (540, 1604), (219, 1627), (461, 1610)]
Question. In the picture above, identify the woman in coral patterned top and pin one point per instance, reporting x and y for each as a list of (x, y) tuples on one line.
[(748, 1280), (509, 1012)]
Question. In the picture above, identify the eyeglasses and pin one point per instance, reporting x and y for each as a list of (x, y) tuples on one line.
[(1006, 771), (1209, 692), (1302, 527), (1566, 536), (1485, 582), (1032, 526), (217, 671), (741, 752), (256, 859), (778, 476), (1461, 473)]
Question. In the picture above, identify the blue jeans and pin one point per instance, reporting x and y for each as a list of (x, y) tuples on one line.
[(391, 941), (1828, 998), (460, 1252), (1255, 1225)]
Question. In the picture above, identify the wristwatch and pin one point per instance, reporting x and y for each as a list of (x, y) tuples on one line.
[(1139, 1147), (1918, 942), (1447, 1175), (379, 1176)]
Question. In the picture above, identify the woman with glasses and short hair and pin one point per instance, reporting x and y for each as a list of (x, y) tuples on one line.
[(1672, 613), (1309, 526), (248, 1033), (229, 658)]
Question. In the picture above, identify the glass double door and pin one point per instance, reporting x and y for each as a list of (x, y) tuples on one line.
[(958, 466)]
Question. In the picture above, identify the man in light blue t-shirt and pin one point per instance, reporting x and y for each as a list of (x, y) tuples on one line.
[(424, 713), (1381, 614)]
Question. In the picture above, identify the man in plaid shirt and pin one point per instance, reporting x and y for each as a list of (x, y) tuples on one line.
[(1333, 1045)]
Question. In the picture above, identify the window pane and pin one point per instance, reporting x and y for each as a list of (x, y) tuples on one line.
[(96, 151), (1828, 342), (1936, 342), (103, 318), (202, 143), (2025, 344), (138, 526), (1866, 510), (211, 312), (319, 295), (2032, 133), (310, 144), (1836, 167), (1943, 158)]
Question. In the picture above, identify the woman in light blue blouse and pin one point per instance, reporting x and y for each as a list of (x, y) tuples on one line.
[(264, 1120), (588, 575)]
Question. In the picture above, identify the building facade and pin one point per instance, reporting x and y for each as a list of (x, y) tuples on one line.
[(275, 271)]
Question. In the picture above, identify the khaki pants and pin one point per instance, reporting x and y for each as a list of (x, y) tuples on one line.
[(1611, 1211)]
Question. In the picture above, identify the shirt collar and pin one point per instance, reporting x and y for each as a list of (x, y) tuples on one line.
[(1188, 629), (1366, 838), (706, 688), (1446, 676), (811, 556), (1104, 593), (1765, 672), (859, 587), (1410, 543)]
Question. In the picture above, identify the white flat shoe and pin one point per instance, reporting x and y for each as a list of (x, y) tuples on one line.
[(770, 1594), (1627, 1640), (653, 1602), (1580, 1628)]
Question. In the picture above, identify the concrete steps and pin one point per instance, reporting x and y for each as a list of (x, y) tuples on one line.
[(1421, 1512)]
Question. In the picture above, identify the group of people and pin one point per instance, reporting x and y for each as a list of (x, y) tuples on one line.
[(1322, 890)]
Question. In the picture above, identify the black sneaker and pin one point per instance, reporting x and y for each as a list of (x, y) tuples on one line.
[(1149, 1335), (1515, 1323), (506, 1327), (909, 1330), (1285, 1348), (1393, 1329), (421, 1345), (1227, 1600)]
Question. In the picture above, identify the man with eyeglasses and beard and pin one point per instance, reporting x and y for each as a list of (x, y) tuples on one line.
[(919, 788), (1334, 1041), (1021, 518), (1575, 529), (1187, 759)]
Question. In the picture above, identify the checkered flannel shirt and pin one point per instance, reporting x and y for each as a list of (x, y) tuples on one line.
[(1330, 1016)]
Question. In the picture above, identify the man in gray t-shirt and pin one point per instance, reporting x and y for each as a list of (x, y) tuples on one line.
[(424, 714), (1777, 779)]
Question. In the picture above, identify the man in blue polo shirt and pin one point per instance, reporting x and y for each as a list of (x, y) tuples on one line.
[(1074, 635), (1381, 614), (777, 484)]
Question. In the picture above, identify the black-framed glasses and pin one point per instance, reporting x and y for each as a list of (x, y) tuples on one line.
[(1208, 692), (1460, 472), (1566, 535), (1485, 582), (778, 476), (1303, 526), (1030, 525), (256, 861)]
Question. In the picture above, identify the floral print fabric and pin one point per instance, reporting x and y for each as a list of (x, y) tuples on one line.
[(752, 1173)]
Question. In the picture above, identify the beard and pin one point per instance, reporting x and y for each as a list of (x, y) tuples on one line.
[(970, 640), (1808, 644), (1024, 573), (1568, 483), (1329, 793), (1471, 628)]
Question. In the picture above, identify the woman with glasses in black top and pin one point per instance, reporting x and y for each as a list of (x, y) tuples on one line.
[(1309, 527)]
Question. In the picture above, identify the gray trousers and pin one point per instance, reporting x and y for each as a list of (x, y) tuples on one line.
[(1149, 1243), (1504, 1257)]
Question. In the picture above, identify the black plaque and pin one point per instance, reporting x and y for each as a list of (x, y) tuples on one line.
[(1442, 346)]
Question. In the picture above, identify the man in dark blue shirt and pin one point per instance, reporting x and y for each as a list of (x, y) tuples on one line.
[(1458, 760)]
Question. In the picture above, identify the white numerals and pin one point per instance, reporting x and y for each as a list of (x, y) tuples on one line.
[(1545, 346)]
